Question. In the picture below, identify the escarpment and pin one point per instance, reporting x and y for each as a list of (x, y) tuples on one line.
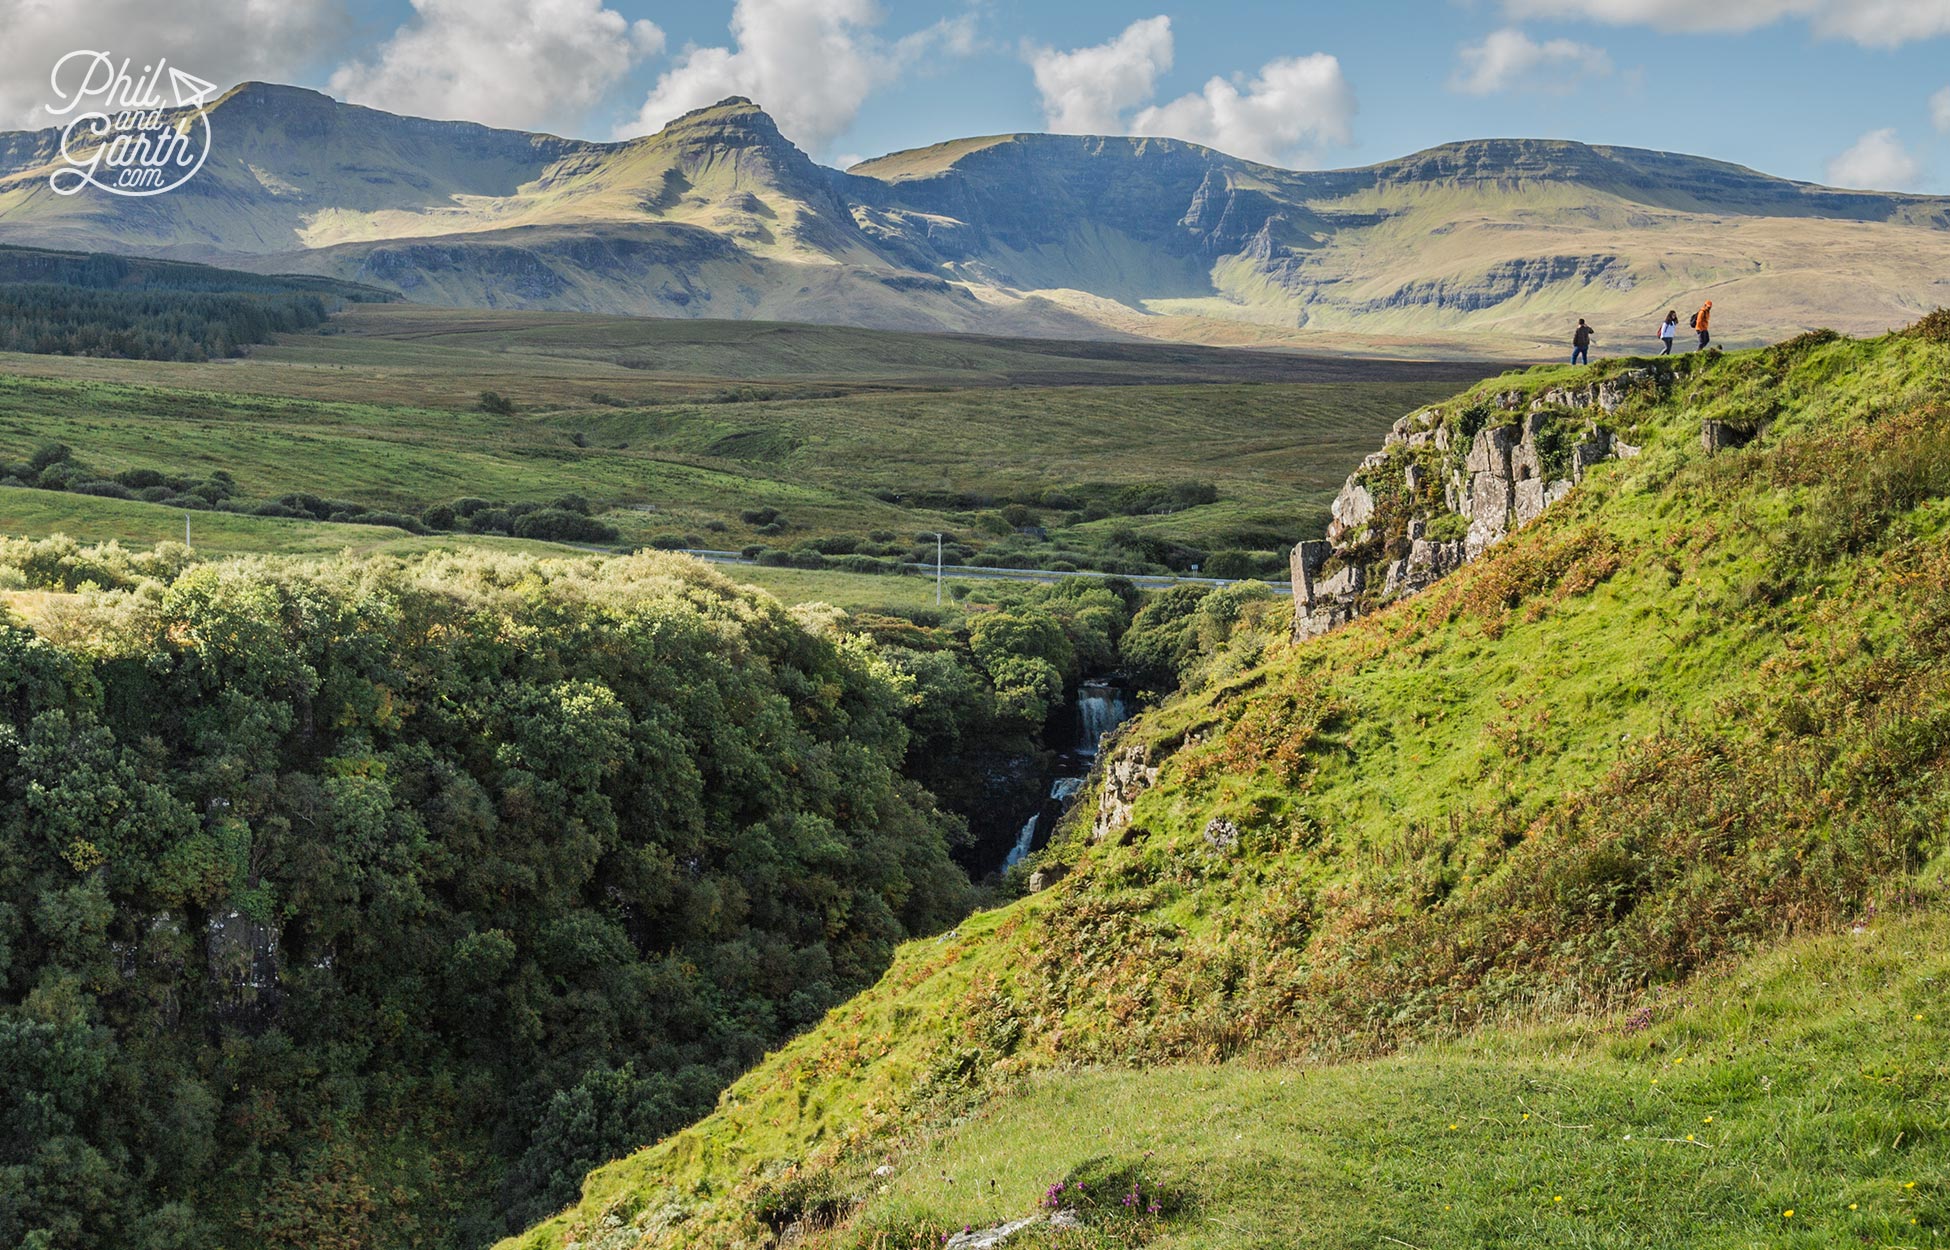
[(1451, 482)]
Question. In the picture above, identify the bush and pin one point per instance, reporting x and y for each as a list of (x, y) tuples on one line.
[(301, 503), (48, 454), (103, 487), (561, 526), (497, 404), (397, 520)]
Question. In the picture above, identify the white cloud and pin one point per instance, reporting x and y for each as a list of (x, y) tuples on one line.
[(221, 40), (1884, 23), (1511, 59), (1089, 90), (1877, 23), (1292, 106), (1877, 162), (811, 64), (1940, 110), (528, 64)]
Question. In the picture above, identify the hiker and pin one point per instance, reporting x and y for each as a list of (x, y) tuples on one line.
[(1700, 318), (1667, 330), (1581, 344)]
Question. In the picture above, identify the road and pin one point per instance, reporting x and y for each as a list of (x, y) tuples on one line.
[(967, 572)]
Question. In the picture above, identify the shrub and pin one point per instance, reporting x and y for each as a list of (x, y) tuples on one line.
[(497, 404), (559, 525), (103, 487), (398, 520)]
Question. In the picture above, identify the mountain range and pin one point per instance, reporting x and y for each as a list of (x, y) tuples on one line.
[(1486, 246)]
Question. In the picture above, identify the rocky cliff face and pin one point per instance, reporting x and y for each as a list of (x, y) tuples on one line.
[(1447, 485)]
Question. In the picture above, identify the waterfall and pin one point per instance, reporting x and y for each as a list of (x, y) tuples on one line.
[(1023, 841), (1100, 709), (1061, 791)]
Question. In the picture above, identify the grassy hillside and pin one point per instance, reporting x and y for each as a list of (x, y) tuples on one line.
[(1700, 708)]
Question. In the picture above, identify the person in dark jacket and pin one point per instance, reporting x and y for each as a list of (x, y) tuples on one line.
[(1581, 344)]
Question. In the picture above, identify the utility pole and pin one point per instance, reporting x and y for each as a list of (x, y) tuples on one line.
[(937, 568), (186, 527)]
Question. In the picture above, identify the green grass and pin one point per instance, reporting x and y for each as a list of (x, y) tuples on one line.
[(40, 513), (1814, 1080), (444, 357), (830, 459)]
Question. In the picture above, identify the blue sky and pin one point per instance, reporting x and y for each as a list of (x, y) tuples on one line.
[(1851, 91)]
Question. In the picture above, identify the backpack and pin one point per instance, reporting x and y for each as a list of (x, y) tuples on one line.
[(1694, 322)]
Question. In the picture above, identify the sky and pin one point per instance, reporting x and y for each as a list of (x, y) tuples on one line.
[(1848, 92)]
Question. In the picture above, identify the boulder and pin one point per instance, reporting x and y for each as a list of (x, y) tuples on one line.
[(1221, 836)]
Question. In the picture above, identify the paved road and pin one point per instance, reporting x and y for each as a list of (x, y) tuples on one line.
[(968, 572)]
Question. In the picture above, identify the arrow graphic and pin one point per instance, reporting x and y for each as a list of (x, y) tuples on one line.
[(190, 90)]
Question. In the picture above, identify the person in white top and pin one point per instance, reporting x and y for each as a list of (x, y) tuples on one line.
[(1668, 328)]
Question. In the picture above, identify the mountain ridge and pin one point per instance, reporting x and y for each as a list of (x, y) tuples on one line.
[(719, 214)]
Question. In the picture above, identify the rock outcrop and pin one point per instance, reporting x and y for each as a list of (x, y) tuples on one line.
[(1127, 774), (1449, 484)]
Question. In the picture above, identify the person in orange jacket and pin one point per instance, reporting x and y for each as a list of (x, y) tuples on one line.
[(1700, 319)]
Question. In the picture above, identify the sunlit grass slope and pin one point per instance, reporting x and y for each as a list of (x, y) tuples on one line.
[(1700, 708)]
